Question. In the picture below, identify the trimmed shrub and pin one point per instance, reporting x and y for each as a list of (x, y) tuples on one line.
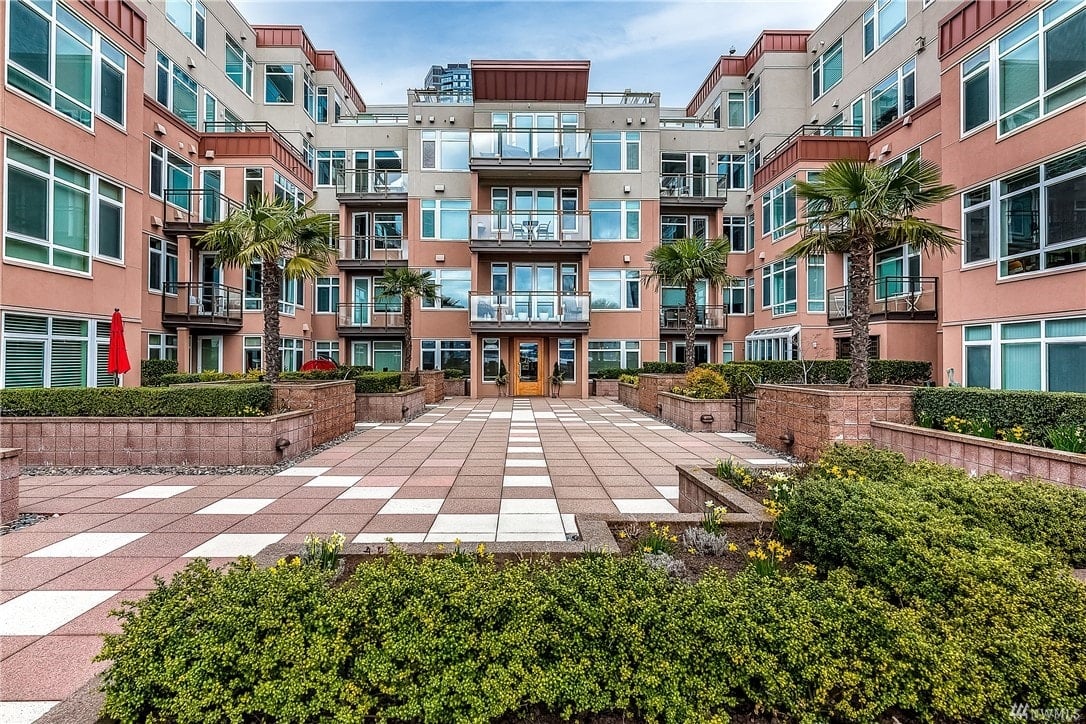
[(1037, 412), (663, 368), (703, 384), (153, 370), (454, 373), (240, 400), (376, 382), (190, 378), (836, 372), (612, 373), (741, 377)]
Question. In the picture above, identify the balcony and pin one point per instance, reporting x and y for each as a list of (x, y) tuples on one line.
[(371, 252), (693, 189), (890, 298), (254, 139), (709, 319), (812, 143), (529, 311), (535, 153), (376, 187), (549, 231), (186, 211), (371, 319), (204, 306)]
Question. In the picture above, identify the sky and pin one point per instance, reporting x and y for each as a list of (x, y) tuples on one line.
[(644, 45)]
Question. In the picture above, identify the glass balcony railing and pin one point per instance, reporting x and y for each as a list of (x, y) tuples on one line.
[(531, 228), (530, 308), (530, 144), (379, 249), (376, 316), (693, 186), (371, 181)]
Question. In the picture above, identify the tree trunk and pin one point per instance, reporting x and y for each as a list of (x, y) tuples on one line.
[(691, 325), (859, 285), (270, 281), (407, 334)]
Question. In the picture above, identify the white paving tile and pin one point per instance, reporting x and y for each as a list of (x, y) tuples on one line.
[(231, 545), (37, 613), (365, 425), (333, 481), (464, 523), (643, 505), (24, 712), (524, 438), (768, 461), (86, 545), (671, 492), (302, 472), (658, 427), (626, 424), (447, 422), (236, 506), (528, 505), (501, 415), (383, 537), (531, 523), (642, 419), (526, 481), (157, 491), (524, 449), (468, 538), (419, 424), (388, 427), (569, 522), (550, 536), (525, 463), (367, 492), (545, 415), (736, 436), (412, 506), (599, 422)]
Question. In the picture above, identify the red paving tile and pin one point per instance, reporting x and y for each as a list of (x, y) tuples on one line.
[(51, 668), (10, 644), (26, 574)]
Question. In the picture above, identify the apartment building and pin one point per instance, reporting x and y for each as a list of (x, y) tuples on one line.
[(128, 127)]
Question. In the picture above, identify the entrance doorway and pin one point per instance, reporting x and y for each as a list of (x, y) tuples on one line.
[(530, 366)]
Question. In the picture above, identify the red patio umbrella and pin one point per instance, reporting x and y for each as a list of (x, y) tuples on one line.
[(319, 364), (118, 355)]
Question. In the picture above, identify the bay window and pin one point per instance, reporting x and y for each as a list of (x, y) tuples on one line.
[(161, 264), (779, 286), (779, 209)]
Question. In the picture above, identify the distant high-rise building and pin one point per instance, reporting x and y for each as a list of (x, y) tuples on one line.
[(453, 77)]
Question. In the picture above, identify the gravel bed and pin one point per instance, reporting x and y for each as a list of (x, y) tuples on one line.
[(774, 452), (25, 520)]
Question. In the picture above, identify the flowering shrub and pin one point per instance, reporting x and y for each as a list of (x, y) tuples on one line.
[(628, 379), (1068, 437), (703, 384), (658, 539), (322, 553)]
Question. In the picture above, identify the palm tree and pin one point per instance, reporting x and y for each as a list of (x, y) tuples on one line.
[(275, 234), (684, 263), (857, 208), (408, 284)]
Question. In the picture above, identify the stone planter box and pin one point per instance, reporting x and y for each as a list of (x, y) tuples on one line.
[(331, 402), (698, 486), (649, 388), (978, 455), (605, 388), (390, 406), (688, 413), (460, 387), (431, 381), (9, 484), (802, 420), (627, 394), (158, 441)]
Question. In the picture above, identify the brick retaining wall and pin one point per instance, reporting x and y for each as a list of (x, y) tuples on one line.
[(9, 484), (606, 388), (649, 388), (627, 395), (686, 412), (390, 406), (332, 405)]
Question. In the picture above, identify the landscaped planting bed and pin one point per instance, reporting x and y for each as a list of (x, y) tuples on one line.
[(911, 593)]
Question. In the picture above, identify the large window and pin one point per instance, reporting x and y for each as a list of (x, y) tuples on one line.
[(739, 296), (735, 231), (286, 190), (170, 175), (278, 84), (327, 295), (161, 346), (382, 356), (779, 286), (239, 66), (615, 288), (190, 17), (881, 21), (772, 343), (491, 359), (816, 283), (161, 264), (453, 286), (1034, 355), (327, 349), (754, 99), (567, 359), (445, 218), (445, 150), (674, 227), (175, 89), (737, 110), (252, 353), (615, 220), (732, 166), (293, 352), (43, 351), (894, 96), (977, 225), (894, 271), (446, 354), (52, 56), (616, 151), (604, 354), (331, 164), (827, 70), (779, 209)]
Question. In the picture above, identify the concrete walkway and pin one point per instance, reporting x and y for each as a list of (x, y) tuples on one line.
[(477, 470)]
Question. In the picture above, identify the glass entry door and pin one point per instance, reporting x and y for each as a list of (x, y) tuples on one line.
[(531, 366)]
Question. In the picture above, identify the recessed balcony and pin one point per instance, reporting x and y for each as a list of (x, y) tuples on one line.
[(371, 252), (708, 319), (529, 311), (531, 152), (191, 211), (204, 306), (889, 298), (375, 187), (693, 189), (371, 319), (545, 231)]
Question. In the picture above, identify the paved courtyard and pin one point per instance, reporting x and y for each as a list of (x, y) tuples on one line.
[(478, 470)]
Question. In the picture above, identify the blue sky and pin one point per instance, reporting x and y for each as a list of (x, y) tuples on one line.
[(388, 46)]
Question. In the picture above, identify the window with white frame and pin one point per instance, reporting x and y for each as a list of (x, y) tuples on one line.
[(327, 349), (616, 151), (252, 351), (445, 219), (894, 96), (53, 55), (161, 345), (239, 66), (331, 164), (387, 356), (772, 343), (278, 84), (109, 243), (676, 226), (735, 231), (309, 154), (827, 70), (733, 167), (727, 352), (290, 296), (327, 295), (977, 225), (309, 96), (567, 359), (676, 296), (177, 90), (615, 220), (779, 209), (491, 358), (1043, 354), (615, 289), (737, 109), (977, 95), (779, 286), (254, 183), (446, 354), (211, 110), (286, 190), (739, 296), (161, 264), (605, 354), (857, 117), (445, 150), (880, 22), (321, 109), (453, 286), (190, 17), (253, 299), (41, 351), (754, 99), (171, 175), (293, 351), (816, 283), (896, 272)]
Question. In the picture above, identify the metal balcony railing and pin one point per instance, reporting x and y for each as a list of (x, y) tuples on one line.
[(247, 127), (707, 316), (811, 129), (620, 98), (380, 249), (371, 181), (190, 207), (201, 304), (373, 119), (531, 228), (425, 95), (892, 297), (530, 308), (693, 185), (530, 144), (372, 315)]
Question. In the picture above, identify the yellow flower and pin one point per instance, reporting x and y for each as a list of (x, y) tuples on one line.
[(440, 547), (751, 554), (647, 549), (481, 549), (691, 550), (281, 562), (622, 534), (732, 547), (296, 561)]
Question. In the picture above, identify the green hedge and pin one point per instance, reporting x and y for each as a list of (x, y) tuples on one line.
[(189, 378), (153, 370), (209, 401), (374, 382), (663, 368), (1035, 411), (836, 371)]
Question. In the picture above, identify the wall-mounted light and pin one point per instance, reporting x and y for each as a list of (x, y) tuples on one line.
[(192, 150), (156, 221), (629, 121), (626, 259), (439, 257), (452, 120), (439, 187), (836, 102), (209, 154)]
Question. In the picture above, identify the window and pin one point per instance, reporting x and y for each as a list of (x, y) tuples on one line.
[(739, 296), (331, 165), (42, 351), (615, 220), (976, 90), (779, 286), (676, 296), (252, 353), (816, 283), (842, 347), (567, 359), (732, 167), (881, 21), (211, 111), (327, 295), (491, 359), (110, 237), (735, 230), (190, 18), (254, 183), (445, 218), (1034, 355), (327, 350), (674, 227), (616, 151), (290, 296), (977, 225), (754, 99), (387, 356), (604, 354), (293, 351), (857, 121), (323, 92), (453, 286), (171, 175), (727, 352), (161, 264), (772, 343), (175, 89), (161, 346), (779, 209), (286, 190), (446, 354), (701, 352), (445, 150), (53, 56), (278, 84), (239, 66), (615, 288), (253, 299), (309, 96), (894, 96), (827, 71), (737, 110)]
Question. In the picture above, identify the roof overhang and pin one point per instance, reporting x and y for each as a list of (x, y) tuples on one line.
[(530, 80)]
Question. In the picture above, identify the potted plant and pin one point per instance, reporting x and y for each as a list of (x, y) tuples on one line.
[(558, 376), (502, 379)]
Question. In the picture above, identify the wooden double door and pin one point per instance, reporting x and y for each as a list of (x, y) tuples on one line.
[(530, 371)]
